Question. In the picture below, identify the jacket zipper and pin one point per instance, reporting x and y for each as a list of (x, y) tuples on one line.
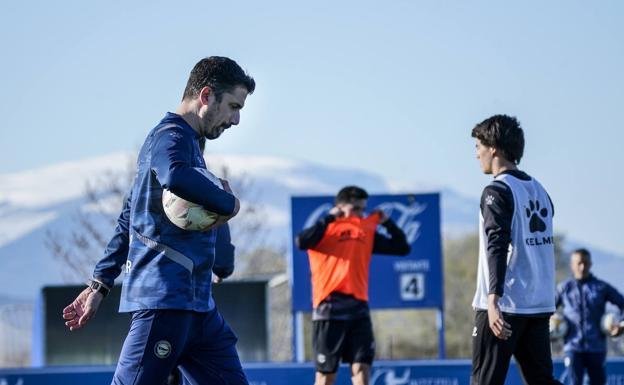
[(582, 303)]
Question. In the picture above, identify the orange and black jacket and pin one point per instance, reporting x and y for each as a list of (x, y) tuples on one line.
[(340, 251)]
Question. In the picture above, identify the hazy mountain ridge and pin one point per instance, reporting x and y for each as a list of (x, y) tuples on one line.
[(34, 201)]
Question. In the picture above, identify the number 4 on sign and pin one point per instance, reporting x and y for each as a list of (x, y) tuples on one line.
[(412, 286)]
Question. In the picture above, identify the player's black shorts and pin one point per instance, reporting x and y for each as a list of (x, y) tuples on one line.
[(529, 344), (349, 340)]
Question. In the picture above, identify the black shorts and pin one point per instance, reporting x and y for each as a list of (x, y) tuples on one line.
[(529, 344), (350, 340)]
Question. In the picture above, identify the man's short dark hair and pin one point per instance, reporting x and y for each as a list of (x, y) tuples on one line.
[(351, 193), (584, 253), (503, 133), (219, 73)]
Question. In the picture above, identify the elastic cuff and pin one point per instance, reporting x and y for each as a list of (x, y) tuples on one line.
[(100, 281), (329, 218)]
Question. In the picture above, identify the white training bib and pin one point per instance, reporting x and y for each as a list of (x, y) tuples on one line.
[(530, 278)]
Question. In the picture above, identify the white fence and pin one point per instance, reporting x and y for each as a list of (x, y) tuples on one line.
[(16, 322)]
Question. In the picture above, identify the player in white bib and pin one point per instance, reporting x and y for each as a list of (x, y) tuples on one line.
[(515, 292)]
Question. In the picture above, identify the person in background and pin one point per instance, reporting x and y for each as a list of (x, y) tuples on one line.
[(340, 246), (584, 298)]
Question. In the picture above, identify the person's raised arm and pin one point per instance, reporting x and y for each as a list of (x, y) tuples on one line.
[(310, 237), (395, 245)]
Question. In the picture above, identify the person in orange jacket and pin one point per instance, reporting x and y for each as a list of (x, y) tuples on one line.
[(340, 246)]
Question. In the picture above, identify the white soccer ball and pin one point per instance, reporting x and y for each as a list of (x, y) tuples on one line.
[(188, 215), (608, 322), (557, 326)]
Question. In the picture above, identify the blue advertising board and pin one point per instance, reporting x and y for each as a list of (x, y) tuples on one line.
[(413, 281), (434, 372)]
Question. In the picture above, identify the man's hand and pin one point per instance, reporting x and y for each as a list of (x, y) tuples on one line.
[(222, 219), (617, 329), (336, 211), (84, 307), (499, 327), (226, 187), (383, 217)]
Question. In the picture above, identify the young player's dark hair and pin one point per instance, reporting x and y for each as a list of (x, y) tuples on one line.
[(351, 193), (584, 253), (503, 133), (219, 73)]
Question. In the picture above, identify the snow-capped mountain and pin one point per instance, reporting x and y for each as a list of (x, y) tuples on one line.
[(38, 201)]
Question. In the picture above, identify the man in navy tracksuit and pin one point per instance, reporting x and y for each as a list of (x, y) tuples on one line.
[(167, 285), (584, 298)]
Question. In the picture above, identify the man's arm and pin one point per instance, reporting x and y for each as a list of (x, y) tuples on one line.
[(310, 237), (172, 164), (116, 253), (552, 205), (616, 298), (497, 208), (224, 253), (395, 245), (559, 295), (84, 307)]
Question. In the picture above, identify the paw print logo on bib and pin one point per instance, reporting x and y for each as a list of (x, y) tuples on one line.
[(535, 213)]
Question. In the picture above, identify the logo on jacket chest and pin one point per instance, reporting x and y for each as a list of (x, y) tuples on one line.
[(349, 234)]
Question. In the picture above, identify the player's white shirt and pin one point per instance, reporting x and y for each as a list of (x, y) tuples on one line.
[(530, 279)]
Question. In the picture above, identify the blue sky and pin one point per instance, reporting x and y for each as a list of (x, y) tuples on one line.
[(392, 87)]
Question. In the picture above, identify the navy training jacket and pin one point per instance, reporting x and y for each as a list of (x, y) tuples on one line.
[(167, 267), (584, 302)]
